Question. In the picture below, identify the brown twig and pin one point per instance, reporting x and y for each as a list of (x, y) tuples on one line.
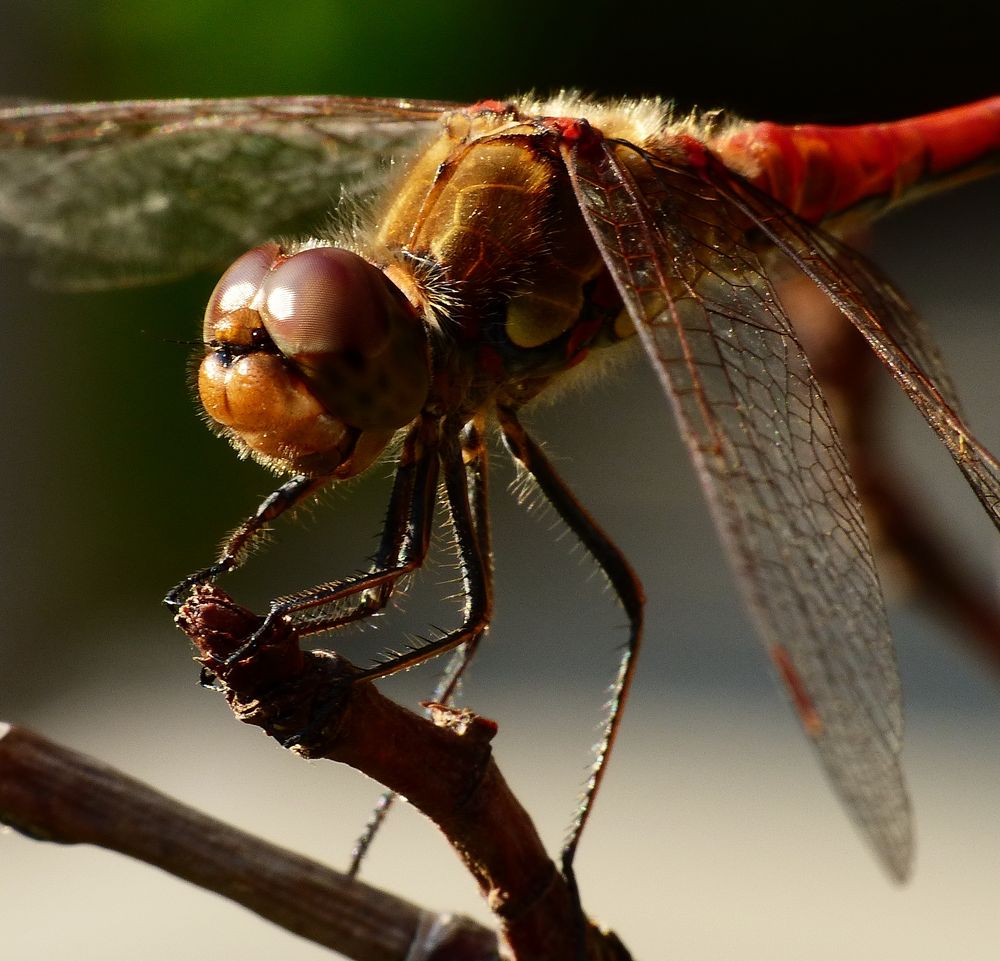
[(309, 701), (51, 793)]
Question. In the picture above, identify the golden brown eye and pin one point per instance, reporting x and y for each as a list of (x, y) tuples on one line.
[(313, 360), (325, 301), (236, 289), (350, 334)]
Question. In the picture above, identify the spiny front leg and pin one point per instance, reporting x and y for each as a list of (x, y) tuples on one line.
[(402, 550), (463, 462), (238, 545)]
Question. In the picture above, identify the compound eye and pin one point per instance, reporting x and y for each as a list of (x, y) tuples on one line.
[(350, 334), (325, 301), (313, 360), (237, 288)]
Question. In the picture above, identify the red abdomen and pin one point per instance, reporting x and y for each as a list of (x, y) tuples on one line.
[(818, 171)]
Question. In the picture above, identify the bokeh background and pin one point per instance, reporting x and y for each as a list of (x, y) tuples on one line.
[(716, 836)]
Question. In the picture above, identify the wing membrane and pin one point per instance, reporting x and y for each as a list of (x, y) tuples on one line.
[(897, 335), (770, 461), (107, 194)]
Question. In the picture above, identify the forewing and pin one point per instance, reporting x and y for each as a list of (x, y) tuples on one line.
[(895, 332), (106, 194), (764, 443)]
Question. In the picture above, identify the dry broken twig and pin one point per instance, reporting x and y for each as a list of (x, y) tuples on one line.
[(54, 794), (443, 765), (309, 702)]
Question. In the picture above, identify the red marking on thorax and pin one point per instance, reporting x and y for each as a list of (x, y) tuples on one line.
[(693, 149), (489, 361), (574, 131)]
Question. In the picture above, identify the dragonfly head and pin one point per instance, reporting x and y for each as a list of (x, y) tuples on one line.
[(312, 360)]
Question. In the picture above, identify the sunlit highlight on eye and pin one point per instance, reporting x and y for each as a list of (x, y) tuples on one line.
[(281, 303), (237, 296)]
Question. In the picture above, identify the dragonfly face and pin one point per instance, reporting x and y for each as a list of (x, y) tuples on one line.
[(314, 360), (519, 241)]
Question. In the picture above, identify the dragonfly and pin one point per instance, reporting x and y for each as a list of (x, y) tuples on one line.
[(492, 254)]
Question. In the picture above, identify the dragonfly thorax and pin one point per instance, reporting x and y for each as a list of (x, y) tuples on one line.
[(486, 236)]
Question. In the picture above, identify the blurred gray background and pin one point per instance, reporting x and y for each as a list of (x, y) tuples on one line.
[(716, 836)]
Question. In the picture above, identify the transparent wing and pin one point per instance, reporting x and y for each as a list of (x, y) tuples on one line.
[(106, 194), (763, 441), (897, 335)]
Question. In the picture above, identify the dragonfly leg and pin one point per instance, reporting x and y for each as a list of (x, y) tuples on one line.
[(623, 581), (463, 461), (237, 545), (475, 458), (403, 547)]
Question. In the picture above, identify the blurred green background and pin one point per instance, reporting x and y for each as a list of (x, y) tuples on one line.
[(716, 836)]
